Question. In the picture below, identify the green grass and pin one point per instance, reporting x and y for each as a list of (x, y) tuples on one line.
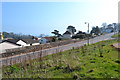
[(116, 35), (99, 60)]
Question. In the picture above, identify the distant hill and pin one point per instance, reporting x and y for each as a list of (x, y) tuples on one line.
[(16, 36)]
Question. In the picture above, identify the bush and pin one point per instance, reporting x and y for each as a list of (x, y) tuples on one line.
[(53, 39), (80, 36), (59, 38)]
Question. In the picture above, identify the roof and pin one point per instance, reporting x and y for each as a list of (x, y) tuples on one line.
[(30, 41), (67, 32), (109, 28), (48, 38), (13, 41)]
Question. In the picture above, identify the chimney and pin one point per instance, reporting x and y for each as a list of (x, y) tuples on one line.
[(1, 35)]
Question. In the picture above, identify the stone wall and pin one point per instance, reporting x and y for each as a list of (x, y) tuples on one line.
[(23, 50)]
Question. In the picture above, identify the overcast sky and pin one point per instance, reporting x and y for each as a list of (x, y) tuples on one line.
[(37, 18)]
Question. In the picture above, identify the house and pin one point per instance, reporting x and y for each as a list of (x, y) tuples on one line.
[(28, 42), (102, 30), (67, 35), (116, 27), (4, 45), (60, 37), (106, 30), (109, 29), (24, 42), (110, 25), (45, 39)]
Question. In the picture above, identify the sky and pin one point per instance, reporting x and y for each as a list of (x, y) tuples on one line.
[(37, 18)]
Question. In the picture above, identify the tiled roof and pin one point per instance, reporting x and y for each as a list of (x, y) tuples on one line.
[(48, 38), (13, 41), (30, 41)]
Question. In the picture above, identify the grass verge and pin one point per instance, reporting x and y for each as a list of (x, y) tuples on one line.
[(116, 35), (99, 60)]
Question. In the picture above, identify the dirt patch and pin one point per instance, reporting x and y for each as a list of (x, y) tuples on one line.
[(116, 46)]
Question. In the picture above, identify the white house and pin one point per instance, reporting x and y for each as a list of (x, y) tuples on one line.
[(27, 42), (24, 42), (7, 45), (67, 35)]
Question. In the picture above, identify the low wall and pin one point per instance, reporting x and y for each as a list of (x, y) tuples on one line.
[(23, 50)]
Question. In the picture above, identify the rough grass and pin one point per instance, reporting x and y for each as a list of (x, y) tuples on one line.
[(116, 35), (99, 60)]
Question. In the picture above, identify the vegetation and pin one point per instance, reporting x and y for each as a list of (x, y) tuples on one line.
[(116, 35), (95, 30), (53, 39), (71, 28), (56, 32), (99, 60), (104, 24), (16, 36), (80, 32), (80, 36)]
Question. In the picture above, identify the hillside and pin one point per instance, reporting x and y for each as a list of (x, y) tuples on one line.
[(16, 36), (99, 60)]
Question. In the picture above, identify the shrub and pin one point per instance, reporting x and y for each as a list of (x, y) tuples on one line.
[(80, 36), (53, 39)]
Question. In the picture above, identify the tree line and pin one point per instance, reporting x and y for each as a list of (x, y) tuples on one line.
[(16, 36)]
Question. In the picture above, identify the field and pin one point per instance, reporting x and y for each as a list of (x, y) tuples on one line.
[(99, 60)]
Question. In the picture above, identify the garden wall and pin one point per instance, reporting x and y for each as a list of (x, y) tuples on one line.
[(23, 50)]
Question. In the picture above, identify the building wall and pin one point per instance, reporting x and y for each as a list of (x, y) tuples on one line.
[(35, 43), (43, 40), (22, 43), (67, 36), (7, 45), (108, 30)]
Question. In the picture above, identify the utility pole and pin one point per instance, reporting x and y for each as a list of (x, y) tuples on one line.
[(1, 35), (114, 28), (88, 32)]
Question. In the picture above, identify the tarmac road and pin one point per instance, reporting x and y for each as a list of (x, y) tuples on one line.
[(32, 55)]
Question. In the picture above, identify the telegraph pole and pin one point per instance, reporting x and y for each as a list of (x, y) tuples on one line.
[(88, 32)]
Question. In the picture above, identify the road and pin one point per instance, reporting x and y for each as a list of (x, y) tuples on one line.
[(33, 55)]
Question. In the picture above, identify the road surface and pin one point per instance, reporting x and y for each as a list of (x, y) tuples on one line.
[(32, 55)]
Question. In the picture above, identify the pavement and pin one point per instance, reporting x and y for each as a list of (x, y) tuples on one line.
[(32, 55)]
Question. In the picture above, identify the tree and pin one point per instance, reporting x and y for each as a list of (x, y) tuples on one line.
[(95, 30), (16, 36), (56, 32), (41, 35), (71, 28), (53, 39), (104, 24), (80, 32), (80, 36)]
